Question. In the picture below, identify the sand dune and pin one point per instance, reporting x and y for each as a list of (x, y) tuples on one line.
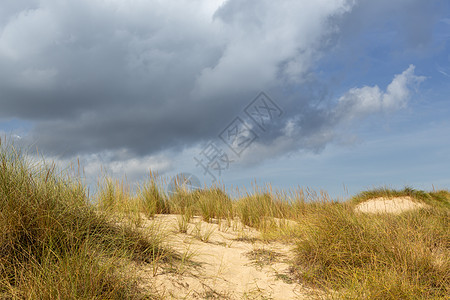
[(394, 205), (229, 261)]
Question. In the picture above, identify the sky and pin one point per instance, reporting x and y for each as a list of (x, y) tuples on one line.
[(334, 95)]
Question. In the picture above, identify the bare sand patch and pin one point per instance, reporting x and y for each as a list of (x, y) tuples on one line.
[(232, 264), (394, 205)]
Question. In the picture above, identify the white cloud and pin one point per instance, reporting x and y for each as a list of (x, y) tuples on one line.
[(96, 76), (399, 90), (28, 34), (359, 102), (266, 39), (355, 104)]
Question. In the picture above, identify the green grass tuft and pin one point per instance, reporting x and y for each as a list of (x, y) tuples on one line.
[(55, 244)]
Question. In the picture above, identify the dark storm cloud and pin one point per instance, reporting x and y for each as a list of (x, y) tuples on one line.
[(99, 76)]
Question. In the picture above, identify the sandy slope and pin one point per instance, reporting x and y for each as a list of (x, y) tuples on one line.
[(228, 261), (388, 205), (232, 264)]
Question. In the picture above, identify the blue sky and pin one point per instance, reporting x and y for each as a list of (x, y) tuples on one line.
[(132, 86)]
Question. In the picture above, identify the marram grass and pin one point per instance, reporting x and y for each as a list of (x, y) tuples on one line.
[(364, 256), (56, 244)]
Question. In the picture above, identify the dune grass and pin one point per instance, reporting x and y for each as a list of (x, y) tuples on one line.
[(56, 244), (383, 256), (152, 198), (435, 198), (348, 254)]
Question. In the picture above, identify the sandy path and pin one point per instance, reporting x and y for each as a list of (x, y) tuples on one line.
[(231, 264)]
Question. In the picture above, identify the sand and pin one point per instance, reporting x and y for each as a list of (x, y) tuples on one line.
[(229, 260), (231, 264), (394, 205)]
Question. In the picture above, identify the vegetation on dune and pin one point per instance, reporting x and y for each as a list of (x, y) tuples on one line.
[(436, 198), (376, 256), (354, 255), (55, 243), (253, 210), (152, 198)]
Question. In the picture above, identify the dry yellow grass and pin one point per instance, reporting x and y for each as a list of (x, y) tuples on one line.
[(265, 245)]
